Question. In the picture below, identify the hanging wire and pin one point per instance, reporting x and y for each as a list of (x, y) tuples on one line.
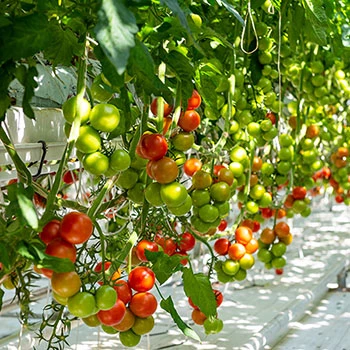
[(248, 17)]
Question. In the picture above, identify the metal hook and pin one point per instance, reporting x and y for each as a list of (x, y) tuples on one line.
[(42, 159)]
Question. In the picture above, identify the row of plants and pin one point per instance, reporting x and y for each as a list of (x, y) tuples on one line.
[(208, 123)]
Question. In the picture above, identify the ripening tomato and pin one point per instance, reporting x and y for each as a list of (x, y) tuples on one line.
[(143, 304), (114, 315), (50, 231), (164, 170), (145, 245), (167, 108), (65, 284), (282, 229), (189, 120), (198, 317), (194, 101), (127, 322), (76, 227), (192, 165), (123, 290), (141, 279), (243, 234)]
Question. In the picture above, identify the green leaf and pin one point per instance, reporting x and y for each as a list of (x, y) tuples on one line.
[(276, 4), (35, 253), (6, 76), (142, 65), (63, 46), (4, 256), (108, 69), (27, 208), (1, 297), (4, 21), (126, 250), (231, 9), (198, 288), (115, 32), (164, 266), (256, 3), (30, 85), (174, 6), (26, 37), (168, 306)]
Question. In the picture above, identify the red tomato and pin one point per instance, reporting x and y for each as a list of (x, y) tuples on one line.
[(189, 120), (50, 231), (192, 165), (61, 249), (114, 315), (222, 245), (169, 246), (219, 297), (123, 290), (194, 101), (69, 177), (143, 304), (187, 242), (223, 225), (271, 116), (299, 192), (141, 279), (145, 244), (76, 228), (153, 146)]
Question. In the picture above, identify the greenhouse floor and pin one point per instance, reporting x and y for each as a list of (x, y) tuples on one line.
[(308, 307)]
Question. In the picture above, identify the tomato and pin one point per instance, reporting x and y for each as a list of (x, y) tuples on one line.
[(141, 279), (226, 175), (129, 338), (247, 261), (252, 246), (198, 317), (173, 194), (220, 191), (271, 116), (106, 268), (169, 246), (243, 234), (278, 249), (76, 227), (282, 229), (114, 315), (166, 124), (96, 163), (312, 131), (201, 180), (145, 245), (167, 108), (143, 325), (189, 120), (194, 101), (71, 110), (200, 197), (267, 235), (236, 251), (104, 117), (59, 299), (264, 255), (61, 249), (65, 284), (69, 177), (208, 213), (143, 304), (213, 325), (123, 290), (299, 192), (100, 89), (91, 321), (152, 194), (82, 304), (223, 225), (89, 139), (182, 141), (192, 304), (153, 146), (128, 179), (218, 297), (105, 296), (164, 170), (108, 329), (187, 242), (222, 245), (119, 160), (230, 267), (127, 322), (50, 231)]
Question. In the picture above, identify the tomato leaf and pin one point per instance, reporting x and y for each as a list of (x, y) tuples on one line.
[(27, 208), (115, 32), (168, 306), (231, 9), (164, 266), (63, 46), (29, 84), (4, 255), (174, 6), (126, 250), (142, 65), (34, 253), (14, 39), (198, 288)]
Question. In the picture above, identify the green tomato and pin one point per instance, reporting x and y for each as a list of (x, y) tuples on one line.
[(278, 263), (119, 160), (220, 191), (241, 275), (82, 304), (137, 193), (152, 194), (252, 207), (128, 179), (253, 129), (257, 191), (223, 207), (173, 194), (129, 338), (183, 209), (265, 200), (143, 325), (183, 141), (105, 297), (213, 325), (230, 267), (100, 89), (200, 197), (71, 110), (89, 139), (238, 154), (91, 321), (208, 213), (237, 169), (96, 163), (247, 261), (278, 249), (267, 169), (264, 255), (104, 117), (109, 329)]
